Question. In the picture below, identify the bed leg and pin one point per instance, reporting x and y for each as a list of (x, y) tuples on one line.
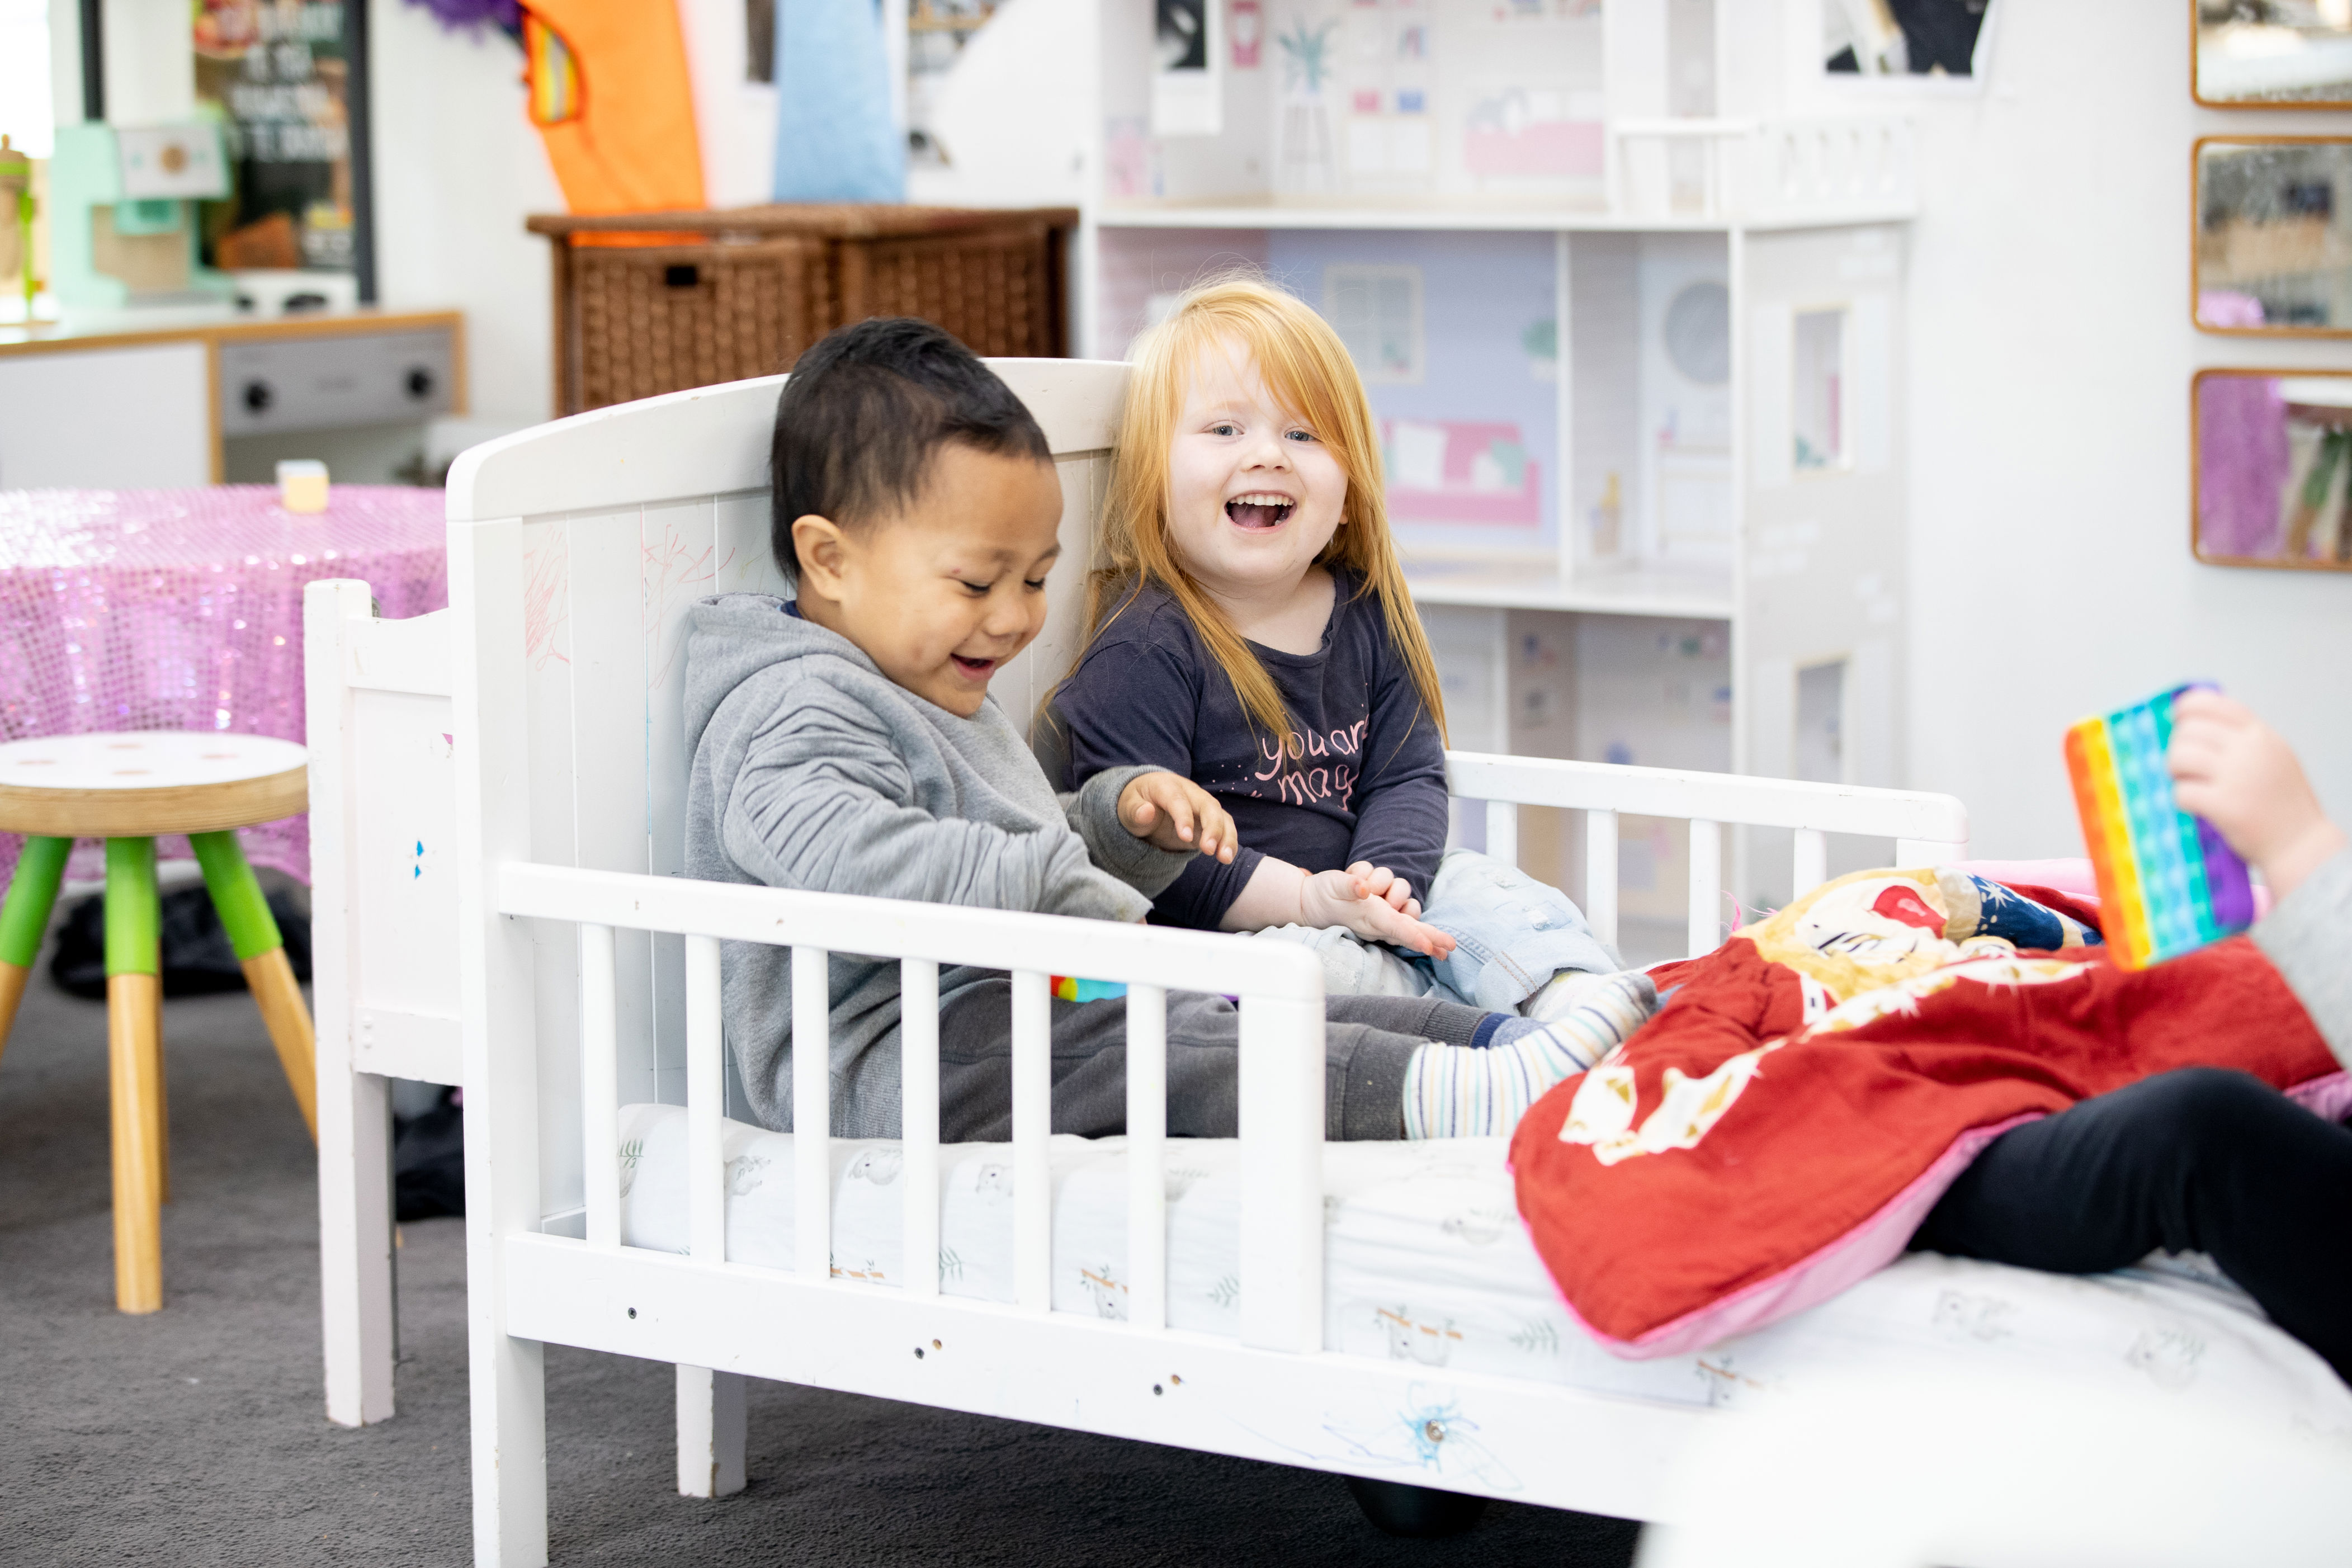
[(508, 1381), (711, 1432), (355, 1273)]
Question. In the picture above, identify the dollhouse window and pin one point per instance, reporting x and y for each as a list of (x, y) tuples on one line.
[(1820, 392), (1377, 312), (1820, 722)]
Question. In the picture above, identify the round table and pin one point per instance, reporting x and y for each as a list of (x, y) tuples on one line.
[(183, 610)]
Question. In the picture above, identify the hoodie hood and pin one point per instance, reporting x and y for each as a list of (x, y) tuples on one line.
[(734, 637)]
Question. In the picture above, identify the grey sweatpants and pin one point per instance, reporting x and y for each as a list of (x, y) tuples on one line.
[(1366, 1041)]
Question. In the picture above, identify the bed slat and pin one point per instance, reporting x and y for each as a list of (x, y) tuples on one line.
[(1282, 1174), (600, 1088), (1600, 874), (1812, 866), (1917, 852), (1502, 833), (1146, 1156), (811, 1116), (1032, 1166), (918, 1121), (1706, 886), (706, 1090)]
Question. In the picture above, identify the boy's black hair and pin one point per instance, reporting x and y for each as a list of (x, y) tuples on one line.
[(864, 411)]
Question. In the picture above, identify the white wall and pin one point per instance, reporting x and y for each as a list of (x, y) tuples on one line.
[(457, 168), (734, 116), (2050, 572)]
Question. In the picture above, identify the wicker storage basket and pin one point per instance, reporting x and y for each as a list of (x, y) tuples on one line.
[(659, 301)]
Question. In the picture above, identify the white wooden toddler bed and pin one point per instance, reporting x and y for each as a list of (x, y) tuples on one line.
[(497, 794)]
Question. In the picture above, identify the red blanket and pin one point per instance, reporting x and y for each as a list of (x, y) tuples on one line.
[(1810, 1090)]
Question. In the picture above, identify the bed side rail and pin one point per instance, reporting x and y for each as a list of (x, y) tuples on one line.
[(1281, 991), (1928, 830)]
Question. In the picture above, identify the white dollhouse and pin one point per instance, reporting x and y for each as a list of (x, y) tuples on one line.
[(1632, 327)]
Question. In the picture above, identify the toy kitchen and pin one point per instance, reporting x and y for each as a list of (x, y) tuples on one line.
[(186, 296)]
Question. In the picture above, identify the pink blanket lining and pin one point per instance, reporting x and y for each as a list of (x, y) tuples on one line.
[(1868, 1247)]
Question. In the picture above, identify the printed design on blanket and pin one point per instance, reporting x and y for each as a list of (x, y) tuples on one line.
[(1602, 1114), (1810, 1090), (1869, 930), (1902, 999)]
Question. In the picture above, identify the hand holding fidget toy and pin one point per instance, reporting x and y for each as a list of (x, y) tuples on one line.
[(2167, 882)]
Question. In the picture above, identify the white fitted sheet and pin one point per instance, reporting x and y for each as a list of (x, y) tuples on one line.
[(1426, 1261)]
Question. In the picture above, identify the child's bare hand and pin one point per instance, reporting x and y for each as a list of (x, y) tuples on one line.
[(1381, 883), (1176, 814), (2240, 774), (1343, 898)]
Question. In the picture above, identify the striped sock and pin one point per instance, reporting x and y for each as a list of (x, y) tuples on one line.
[(1481, 1091)]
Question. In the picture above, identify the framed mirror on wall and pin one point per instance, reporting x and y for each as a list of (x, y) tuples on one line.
[(2271, 54), (2273, 250), (2270, 465)]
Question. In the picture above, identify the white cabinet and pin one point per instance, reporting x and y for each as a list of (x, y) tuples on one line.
[(167, 406), (120, 418)]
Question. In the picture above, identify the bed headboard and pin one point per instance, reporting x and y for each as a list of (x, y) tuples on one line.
[(626, 516)]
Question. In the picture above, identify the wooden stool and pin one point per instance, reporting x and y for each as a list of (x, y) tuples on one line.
[(125, 789)]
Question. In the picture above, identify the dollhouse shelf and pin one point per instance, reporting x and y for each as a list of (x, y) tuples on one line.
[(1534, 583), (1470, 217)]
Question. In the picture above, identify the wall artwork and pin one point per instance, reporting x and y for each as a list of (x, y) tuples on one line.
[(1187, 76), (1248, 19), (1443, 327), (2279, 54), (2273, 240), (2270, 465), (1525, 133), (278, 80), (1455, 470), (1391, 145), (1306, 157), (1902, 37)]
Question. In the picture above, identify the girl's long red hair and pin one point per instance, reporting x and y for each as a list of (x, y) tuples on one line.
[(1306, 368)]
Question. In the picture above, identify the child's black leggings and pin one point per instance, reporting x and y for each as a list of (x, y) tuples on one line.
[(2201, 1160)]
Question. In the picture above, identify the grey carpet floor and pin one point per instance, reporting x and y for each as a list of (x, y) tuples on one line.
[(198, 1437)]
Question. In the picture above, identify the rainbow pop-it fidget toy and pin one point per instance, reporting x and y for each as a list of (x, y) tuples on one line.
[(1067, 988), (2167, 883)]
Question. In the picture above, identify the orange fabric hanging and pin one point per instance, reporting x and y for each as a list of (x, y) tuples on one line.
[(614, 104)]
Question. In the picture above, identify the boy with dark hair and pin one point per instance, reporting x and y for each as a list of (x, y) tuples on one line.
[(845, 741)]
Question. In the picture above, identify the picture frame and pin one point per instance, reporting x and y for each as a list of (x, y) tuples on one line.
[(2262, 74), (2270, 249), (2272, 490)]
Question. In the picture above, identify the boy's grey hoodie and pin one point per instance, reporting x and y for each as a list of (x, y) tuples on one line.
[(813, 770)]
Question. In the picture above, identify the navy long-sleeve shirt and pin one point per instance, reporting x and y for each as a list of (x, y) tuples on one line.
[(1362, 776)]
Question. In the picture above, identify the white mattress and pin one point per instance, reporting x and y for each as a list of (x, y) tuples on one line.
[(1426, 1260)]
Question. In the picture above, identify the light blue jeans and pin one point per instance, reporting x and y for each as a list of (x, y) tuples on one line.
[(1511, 933)]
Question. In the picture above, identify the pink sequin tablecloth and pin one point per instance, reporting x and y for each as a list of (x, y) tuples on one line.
[(183, 610)]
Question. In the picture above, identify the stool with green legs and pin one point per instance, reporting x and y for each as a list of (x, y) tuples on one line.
[(127, 789)]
